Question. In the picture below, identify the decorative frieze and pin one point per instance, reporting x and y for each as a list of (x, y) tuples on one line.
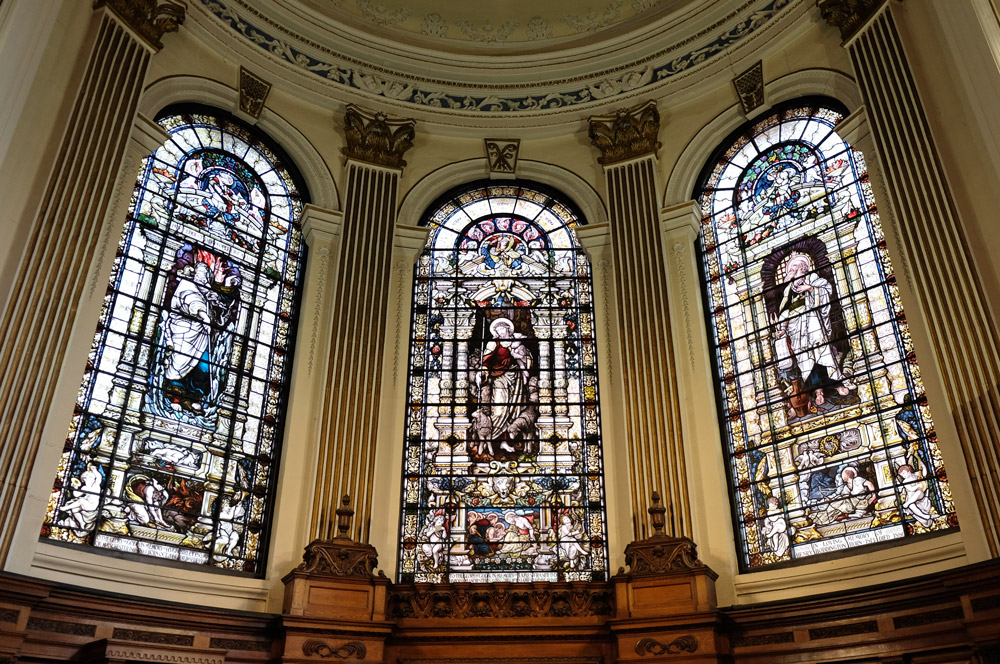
[(848, 15), (151, 19), (629, 133), (501, 600), (750, 87), (375, 139), (502, 154), (253, 92)]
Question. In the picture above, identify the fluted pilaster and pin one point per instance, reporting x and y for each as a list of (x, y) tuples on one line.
[(936, 256), (648, 373), (349, 418), (65, 233)]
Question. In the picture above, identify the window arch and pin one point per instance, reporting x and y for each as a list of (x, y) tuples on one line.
[(503, 476), (828, 438), (173, 446)]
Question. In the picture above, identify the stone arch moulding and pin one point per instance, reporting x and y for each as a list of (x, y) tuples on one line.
[(808, 82), (436, 183), (195, 89)]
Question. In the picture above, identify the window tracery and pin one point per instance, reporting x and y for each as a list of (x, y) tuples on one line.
[(173, 446), (503, 477), (828, 438)]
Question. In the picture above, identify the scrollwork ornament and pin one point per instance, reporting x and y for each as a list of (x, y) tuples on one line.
[(687, 643), (339, 558), (350, 650), (662, 555), (151, 19)]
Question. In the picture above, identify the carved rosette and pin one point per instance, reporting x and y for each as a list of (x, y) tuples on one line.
[(848, 15), (151, 19), (662, 555), (253, 92), (340, 558), (750, 87), (630, 133), (374, 139)]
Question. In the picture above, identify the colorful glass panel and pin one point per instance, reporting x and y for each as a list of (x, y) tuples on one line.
[(173, 445), (829, 441), (503, 477)]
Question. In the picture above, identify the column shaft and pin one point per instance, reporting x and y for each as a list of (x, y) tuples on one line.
[(944, 276), (64, 235)]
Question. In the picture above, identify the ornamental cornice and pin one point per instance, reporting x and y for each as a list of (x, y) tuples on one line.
[(525, 89)]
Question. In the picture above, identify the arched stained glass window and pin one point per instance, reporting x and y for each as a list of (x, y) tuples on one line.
[(173, 447), (503, 477), (829, 441)]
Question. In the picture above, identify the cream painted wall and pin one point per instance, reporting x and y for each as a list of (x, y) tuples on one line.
[(565, 148)]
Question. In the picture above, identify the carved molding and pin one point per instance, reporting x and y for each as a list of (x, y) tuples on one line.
[(501, 601), (339, 558), (662, 555), (373, 138), (502, 154), (151, 19), (631, 132), (749, 641), (353, 649), (9, 615), (144, 636), (750, 87), (239, 644), (253, 92), (839, 631), (61, 626), (848, 15), (681, 644), (324, 265)]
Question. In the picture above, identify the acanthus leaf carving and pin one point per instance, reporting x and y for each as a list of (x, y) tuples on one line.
[(630, 133), (848, 15), (339, 558), (151, 19), (373, 138), (662, 555)]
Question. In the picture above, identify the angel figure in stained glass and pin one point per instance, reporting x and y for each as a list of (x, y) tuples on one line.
[(81, 511), (775, 528), (916, 503), (573, 548), (435, 538)]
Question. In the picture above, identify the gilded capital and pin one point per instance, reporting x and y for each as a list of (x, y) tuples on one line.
[(848, 15), (631, 132), (151, 19), (373, 138)]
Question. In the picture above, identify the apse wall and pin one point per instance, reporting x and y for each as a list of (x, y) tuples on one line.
[(800, 55)]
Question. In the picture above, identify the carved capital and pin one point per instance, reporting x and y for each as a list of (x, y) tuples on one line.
[(848, 15), (375, 139), (750, 87), (151, 19), (253, 92), (631, 132), (339, 558), (662, 555)]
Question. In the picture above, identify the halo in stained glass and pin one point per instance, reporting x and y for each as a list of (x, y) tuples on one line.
[(503, 476), (173, 446), (829, 440)]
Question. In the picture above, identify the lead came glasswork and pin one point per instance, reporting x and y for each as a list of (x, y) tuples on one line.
[(503, 477), (173, 444), (830, 443)]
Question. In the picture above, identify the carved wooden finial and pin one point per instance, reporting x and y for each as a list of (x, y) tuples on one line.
[(344, 515), (656, 514)]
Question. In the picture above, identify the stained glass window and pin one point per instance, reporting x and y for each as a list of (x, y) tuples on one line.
[(173, 446), (829, 440), (503, 476)]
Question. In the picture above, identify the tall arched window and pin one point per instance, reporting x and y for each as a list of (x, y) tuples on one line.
[(173, 447), (829, 441), (503, 477)]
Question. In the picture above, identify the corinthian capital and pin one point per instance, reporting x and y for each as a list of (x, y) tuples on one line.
[(848, 15), (631, 132), (151, 19), (373, 138)]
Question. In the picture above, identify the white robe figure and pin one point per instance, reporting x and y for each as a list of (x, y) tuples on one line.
[(916, 503), (188, 329), (572, 545), (81, 511)]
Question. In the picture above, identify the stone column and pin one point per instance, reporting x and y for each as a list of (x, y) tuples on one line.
[(628, 143), (349, 417), (933, 241), (65, 232)]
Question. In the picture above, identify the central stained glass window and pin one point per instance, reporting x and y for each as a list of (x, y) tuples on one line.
[(828, 435), (503, 477)]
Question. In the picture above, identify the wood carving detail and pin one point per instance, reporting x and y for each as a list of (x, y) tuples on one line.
[(239, 644), (632, 132), (838, 631), (340, 558), (848, 15), (662, 555), (375, 139), (681, 644), (351, 649), (76, 629), (501, 601), (152, 637), (150, 18), (253, 92), (747, 641)]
